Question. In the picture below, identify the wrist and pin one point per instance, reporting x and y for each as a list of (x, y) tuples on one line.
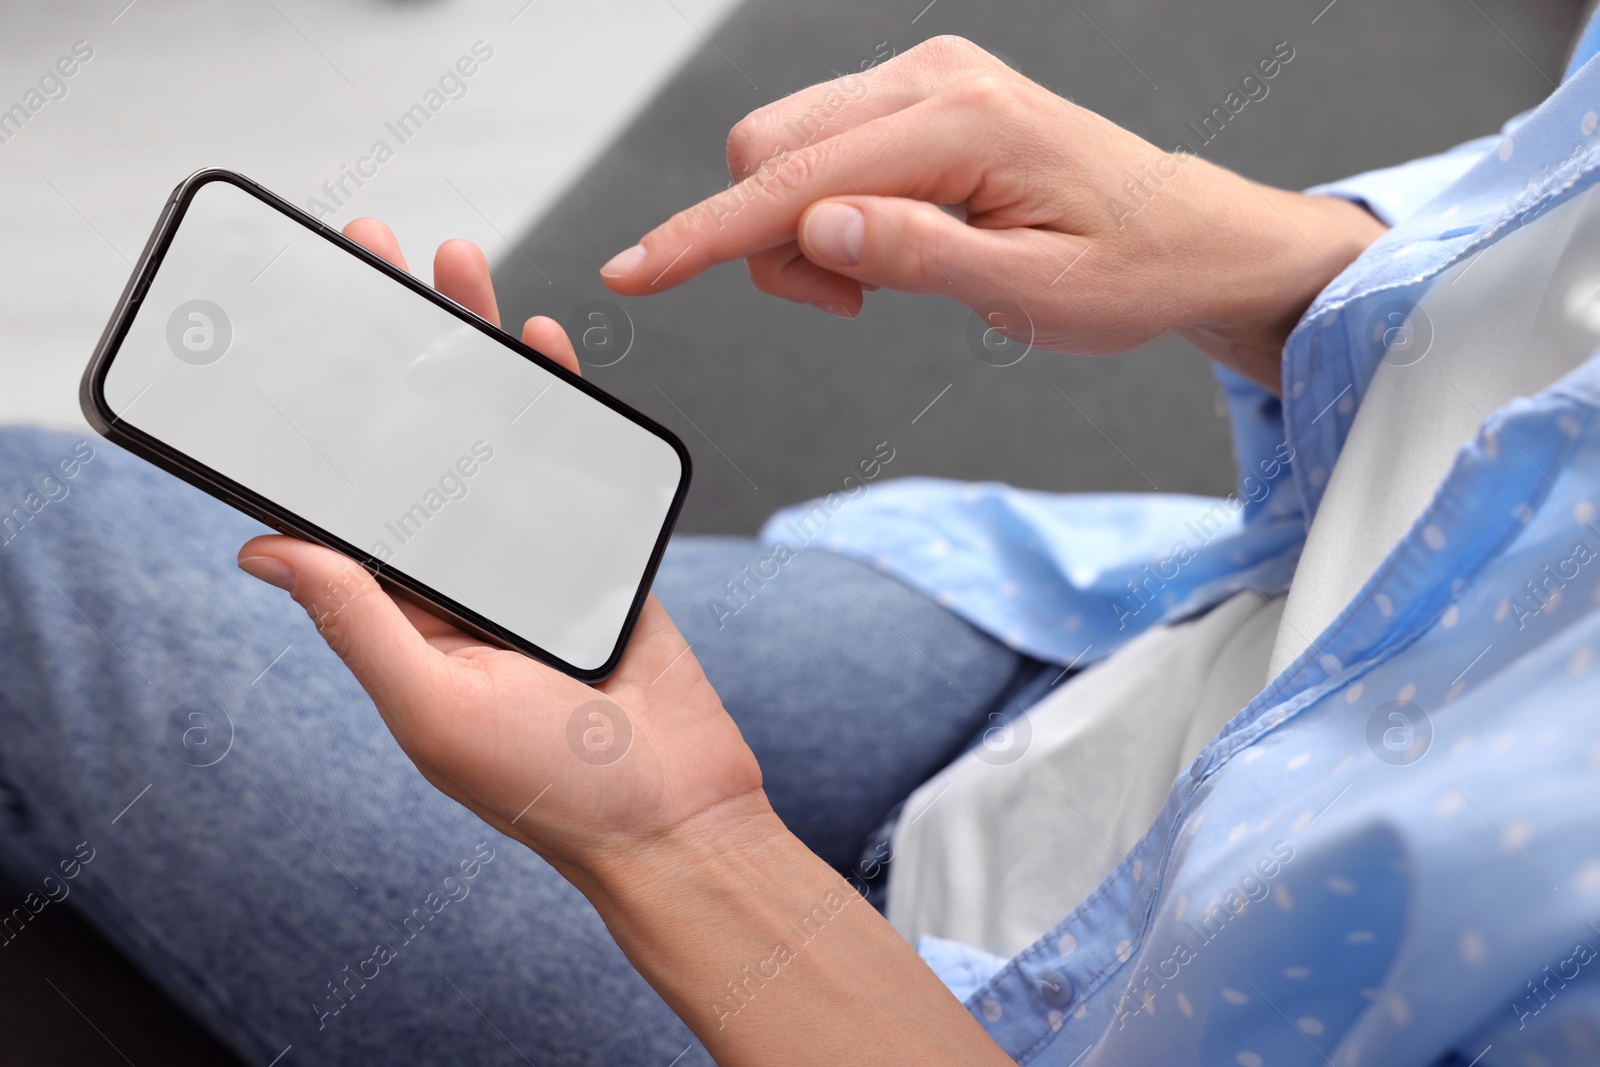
[(1281, 249), (731, 915), (770, 955), (695, 846)]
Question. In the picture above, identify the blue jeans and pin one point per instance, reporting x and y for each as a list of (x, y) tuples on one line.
[(254, 837)]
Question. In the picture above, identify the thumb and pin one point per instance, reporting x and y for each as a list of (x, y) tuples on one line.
[(913, 246), (353, 614)]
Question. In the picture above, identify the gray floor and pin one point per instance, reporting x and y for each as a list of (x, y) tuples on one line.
[(792, 397)]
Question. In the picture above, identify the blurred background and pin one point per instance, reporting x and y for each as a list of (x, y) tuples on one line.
[(590, 122)]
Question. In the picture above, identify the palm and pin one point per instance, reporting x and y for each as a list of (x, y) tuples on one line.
[(648, 748), (543, 757)]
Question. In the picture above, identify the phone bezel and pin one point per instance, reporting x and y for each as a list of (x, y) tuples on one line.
[(91, 398)]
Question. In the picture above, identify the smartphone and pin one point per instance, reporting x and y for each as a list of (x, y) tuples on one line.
[(265, 358)]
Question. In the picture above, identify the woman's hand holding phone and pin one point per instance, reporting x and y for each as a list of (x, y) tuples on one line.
[(639, 790), (635, 758)]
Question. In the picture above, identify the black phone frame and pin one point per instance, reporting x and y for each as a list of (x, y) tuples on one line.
[(91, 398)]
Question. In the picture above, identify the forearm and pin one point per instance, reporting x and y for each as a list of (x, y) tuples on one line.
[(770, 956)]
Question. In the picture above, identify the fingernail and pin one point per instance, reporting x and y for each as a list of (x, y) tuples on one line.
[(624, 263), (833, 307), (836, 232), (269, 570)]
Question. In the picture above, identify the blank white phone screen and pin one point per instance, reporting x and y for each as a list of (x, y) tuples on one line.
[(282, 361)]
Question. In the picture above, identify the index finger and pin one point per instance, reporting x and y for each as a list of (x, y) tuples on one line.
[(885, 157)]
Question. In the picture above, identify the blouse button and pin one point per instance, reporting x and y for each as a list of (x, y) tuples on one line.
[(1056, 989)]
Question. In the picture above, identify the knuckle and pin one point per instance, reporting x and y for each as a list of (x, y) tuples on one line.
[(922, 246), (329, 606), (991, 94), (693, 222), (708, 217), (950, 52), (743, 148), (794, 172), (758, 141), (765, 275)]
